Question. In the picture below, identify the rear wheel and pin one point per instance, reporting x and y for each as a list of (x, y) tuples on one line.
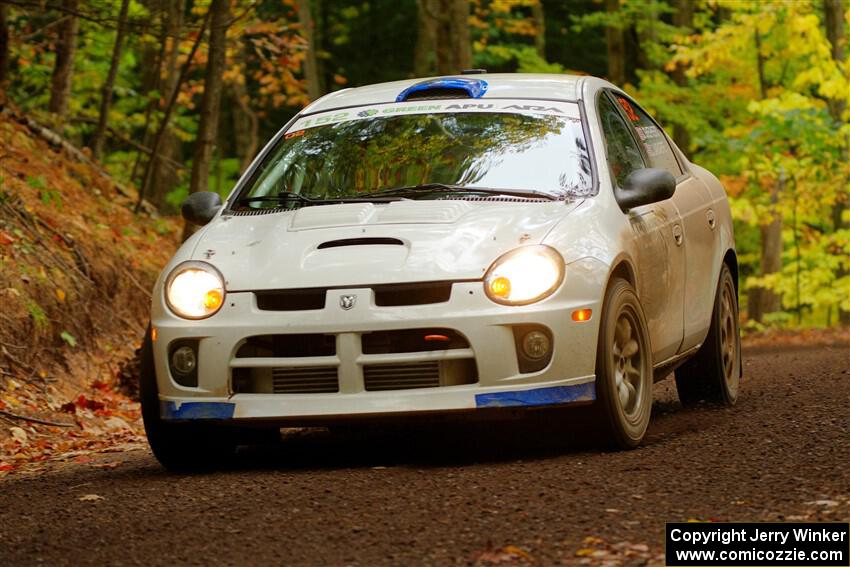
[(623, 368), (179, 445), (714, 373)]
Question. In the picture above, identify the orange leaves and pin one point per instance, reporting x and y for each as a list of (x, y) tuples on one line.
[(507, 555), (101, 425), (84, 403), (595, 549)]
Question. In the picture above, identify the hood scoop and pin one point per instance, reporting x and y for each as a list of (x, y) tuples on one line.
[(360, 242)]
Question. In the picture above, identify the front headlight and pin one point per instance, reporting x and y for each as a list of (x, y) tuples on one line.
[(524, 275), (194, 290)]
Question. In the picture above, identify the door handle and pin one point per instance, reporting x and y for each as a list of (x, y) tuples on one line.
[(709, 216), (677, 234)]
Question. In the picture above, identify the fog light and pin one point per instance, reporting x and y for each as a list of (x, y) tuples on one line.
[(536, 345), (183, 360)]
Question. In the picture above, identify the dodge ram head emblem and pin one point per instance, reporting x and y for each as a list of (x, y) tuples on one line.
[(347, 301)]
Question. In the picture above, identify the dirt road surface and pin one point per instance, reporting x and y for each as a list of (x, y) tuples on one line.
[(463, 497)]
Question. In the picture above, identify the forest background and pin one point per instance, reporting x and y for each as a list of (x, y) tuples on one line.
[(176, 96)]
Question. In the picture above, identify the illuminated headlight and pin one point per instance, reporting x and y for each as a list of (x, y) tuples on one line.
[(524, 275), (194, 290)]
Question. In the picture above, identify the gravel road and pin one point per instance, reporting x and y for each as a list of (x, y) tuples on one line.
[(459, 496)]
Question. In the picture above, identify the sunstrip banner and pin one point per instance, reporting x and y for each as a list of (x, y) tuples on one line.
[(567, 110)]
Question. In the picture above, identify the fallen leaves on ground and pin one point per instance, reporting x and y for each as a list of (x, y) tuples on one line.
[(102, 420), (596, 551), (835, 336), (90, 498), (505, 556)]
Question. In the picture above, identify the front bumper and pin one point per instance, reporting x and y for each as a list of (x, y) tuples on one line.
[(488, 327)]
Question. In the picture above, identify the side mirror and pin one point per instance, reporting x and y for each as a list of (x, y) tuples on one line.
[(200, 208), (644, 186)]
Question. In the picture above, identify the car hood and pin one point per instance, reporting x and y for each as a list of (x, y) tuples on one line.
[(366, 244)]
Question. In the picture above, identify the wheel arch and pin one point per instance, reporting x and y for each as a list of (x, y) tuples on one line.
[(622, 268), (731, 260)]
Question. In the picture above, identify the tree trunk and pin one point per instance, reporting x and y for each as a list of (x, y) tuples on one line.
[(834, 22), (165, 176), (311, 68), (246, 123), (63, 68), (320, 24), (616, 47), (169, 109), (539, 18), (683, 18), (454, 50), (647, 34), (426, 38), (109, 85), (4, 43), (762, 300), (211, 101), (459, 29), (152, 58)]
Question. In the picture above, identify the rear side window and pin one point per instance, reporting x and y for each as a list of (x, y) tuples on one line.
[(651, 137), (624, 156)]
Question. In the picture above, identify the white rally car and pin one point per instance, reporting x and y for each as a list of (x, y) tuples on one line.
[(454, 244)]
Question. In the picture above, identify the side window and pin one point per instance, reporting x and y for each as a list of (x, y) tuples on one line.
[(623, 154), (651, 137)]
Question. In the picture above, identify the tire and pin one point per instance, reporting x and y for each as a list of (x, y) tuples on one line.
[(179, 446), (623, 369), (713, 374)]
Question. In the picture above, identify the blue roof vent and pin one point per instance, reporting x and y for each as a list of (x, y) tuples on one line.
[(452, 87)]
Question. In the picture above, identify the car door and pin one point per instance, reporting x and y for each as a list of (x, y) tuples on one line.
[(656, 234), (698, 223)]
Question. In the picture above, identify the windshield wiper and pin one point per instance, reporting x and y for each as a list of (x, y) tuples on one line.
[(408, 190), (287, 196)]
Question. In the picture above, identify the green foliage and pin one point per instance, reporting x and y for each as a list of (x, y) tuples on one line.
[(753, 83), (69, 339), (36, 182), (39, 318), (774, 137)]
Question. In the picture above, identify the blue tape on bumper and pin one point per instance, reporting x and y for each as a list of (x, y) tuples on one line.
[(197, 410), (538, 397)]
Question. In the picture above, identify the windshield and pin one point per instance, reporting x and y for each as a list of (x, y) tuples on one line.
[(515, 147)]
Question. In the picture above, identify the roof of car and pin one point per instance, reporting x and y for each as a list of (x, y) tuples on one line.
[(499, 85)]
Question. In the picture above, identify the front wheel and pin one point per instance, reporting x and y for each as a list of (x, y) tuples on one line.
[(623, 368), (179, 446), (714, 373)]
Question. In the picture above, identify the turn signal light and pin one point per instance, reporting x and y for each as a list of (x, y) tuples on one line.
[(501, 287), (581, 315), (213, 299)]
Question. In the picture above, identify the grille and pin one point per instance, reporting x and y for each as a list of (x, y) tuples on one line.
[(311, 380), (412, 294), (291, 300), (392, 295), (251, 212), (495, 198), (412, 340), (405, 376), (287, 346)]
